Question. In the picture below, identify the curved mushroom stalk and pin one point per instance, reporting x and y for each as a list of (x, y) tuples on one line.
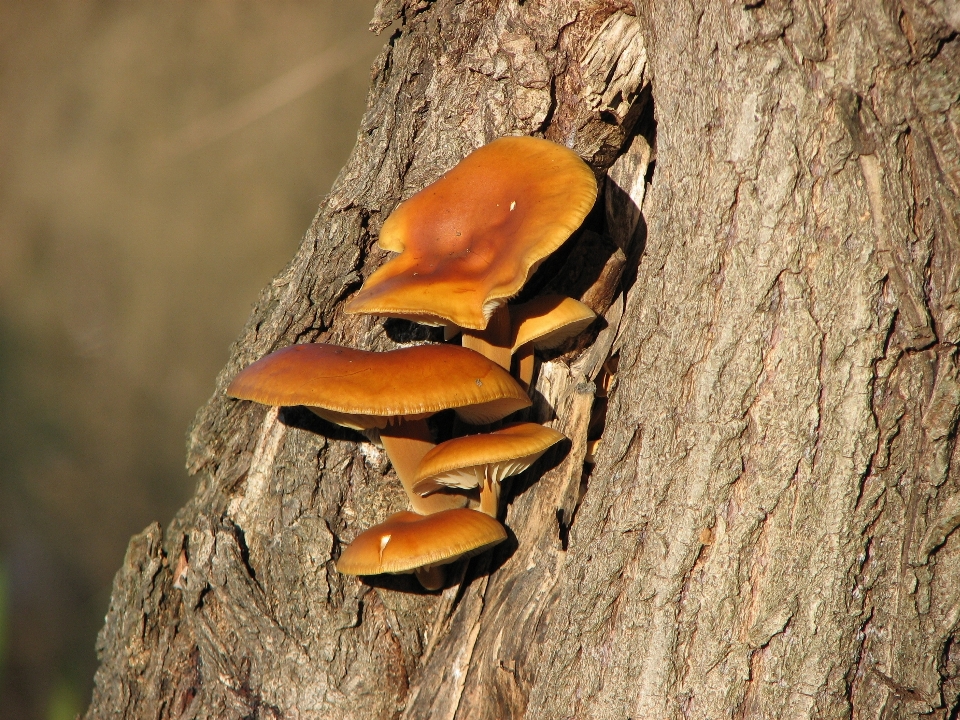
[(523, 365), (432, 577), (406, 443), (495, 341), (490, 496)]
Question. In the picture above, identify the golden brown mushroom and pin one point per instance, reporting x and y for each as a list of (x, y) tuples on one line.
[(469, 241), (544, 322), (407, 542), (484, 461), (392, 391)]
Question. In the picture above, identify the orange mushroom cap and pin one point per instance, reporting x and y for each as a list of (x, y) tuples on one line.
[(464, 462), (548, 320), (470, 240), (364, 389), (407, 541)]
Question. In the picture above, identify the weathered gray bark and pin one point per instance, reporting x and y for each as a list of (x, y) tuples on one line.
[(769, 529)]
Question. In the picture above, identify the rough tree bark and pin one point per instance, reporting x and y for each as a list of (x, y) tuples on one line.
[(769, 530)]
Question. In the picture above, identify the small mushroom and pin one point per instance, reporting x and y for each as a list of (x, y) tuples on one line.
[(393, 392), (484, 461), (469, 241), (544, 322), (593, 447), (407, 542)]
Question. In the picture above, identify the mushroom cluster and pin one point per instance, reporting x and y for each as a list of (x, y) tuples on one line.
[(466, 244)]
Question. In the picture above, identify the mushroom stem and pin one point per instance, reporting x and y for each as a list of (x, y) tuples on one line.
[(406, 442), (489, 496), (523, 365), (493, 342), (432, 577)]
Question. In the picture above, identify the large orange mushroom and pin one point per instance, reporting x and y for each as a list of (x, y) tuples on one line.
[(469, 241), (393, 392)]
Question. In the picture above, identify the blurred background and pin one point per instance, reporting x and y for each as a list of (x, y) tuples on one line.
[(159, 163)]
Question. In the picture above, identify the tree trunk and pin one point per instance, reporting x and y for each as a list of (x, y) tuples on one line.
[(769, 527)]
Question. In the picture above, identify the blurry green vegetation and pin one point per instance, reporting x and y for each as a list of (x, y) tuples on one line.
[(65, 702), (159, 163)]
